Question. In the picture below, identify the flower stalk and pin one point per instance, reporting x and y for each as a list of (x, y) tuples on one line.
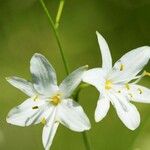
[(55, 26), (59, 13), (56, 35)]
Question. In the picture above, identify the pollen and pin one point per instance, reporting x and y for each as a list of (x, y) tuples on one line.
[(121, 67), (130, 95), (108, 84), (43, 121), (127, 86), (56, 99), (35, 107), (140, 91), (35, 98), (146, 73)]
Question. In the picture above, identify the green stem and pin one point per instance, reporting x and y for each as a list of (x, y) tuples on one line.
[(86, 141), (56, 35), (84, 134), (59, 13)]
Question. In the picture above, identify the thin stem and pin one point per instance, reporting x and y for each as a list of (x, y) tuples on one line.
[(59, 13), (86, 141), (75, 94), (84, 134), (56, 35)]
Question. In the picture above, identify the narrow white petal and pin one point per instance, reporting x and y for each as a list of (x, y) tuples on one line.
[(102, 108), (106, 56), (29, 112), (139, 93), (44, 76), (95, 77), (129, 65), (50, 129), (22, 84), (72, 81), (71, 115), (126, 111)]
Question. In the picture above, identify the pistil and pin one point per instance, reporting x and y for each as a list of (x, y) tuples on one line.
[(56, 99), (108, 84)]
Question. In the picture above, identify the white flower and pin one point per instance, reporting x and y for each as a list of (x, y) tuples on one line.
[(113, 83), (48, 103)]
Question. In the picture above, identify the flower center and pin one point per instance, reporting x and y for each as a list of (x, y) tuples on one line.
[(56, 99), (108, 84)]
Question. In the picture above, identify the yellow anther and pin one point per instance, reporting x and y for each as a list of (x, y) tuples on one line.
[(130, 95), (35, 107), (140, 90), (121, 67), (56, 99), (119, 91), (35, 98), (127, 86), (43, 121), (108, 84), (146, 73)]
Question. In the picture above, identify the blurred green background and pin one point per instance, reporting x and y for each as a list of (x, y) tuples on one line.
[(24, 30)]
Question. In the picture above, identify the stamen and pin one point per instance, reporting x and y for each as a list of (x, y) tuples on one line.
[(145, 73), (140, 90), (119, 91), (35, 107), (35, 98), (43, 121), (121, 67), (108, 84), (130, 95), (56, 99), (127, 86)]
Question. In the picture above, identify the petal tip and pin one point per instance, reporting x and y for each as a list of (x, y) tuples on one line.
[(97, 119), (36, 55)]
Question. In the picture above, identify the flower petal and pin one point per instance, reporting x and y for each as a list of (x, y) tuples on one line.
[(72, 81), (22, 84), (72, 116), (29, 112), (126, 68), (95, 77), (44, 76), (139, 93), (49, 130), (102, 108), (106, 56), (126, 111)]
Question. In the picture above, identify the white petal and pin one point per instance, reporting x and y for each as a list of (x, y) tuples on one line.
[(72, 81), (44, 76), (72, 116), (22, 85), (102, 108), (95, 77), (106, 56), (139, 93), (126, 111), (126, 68), (29, 112), (49, 131)]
